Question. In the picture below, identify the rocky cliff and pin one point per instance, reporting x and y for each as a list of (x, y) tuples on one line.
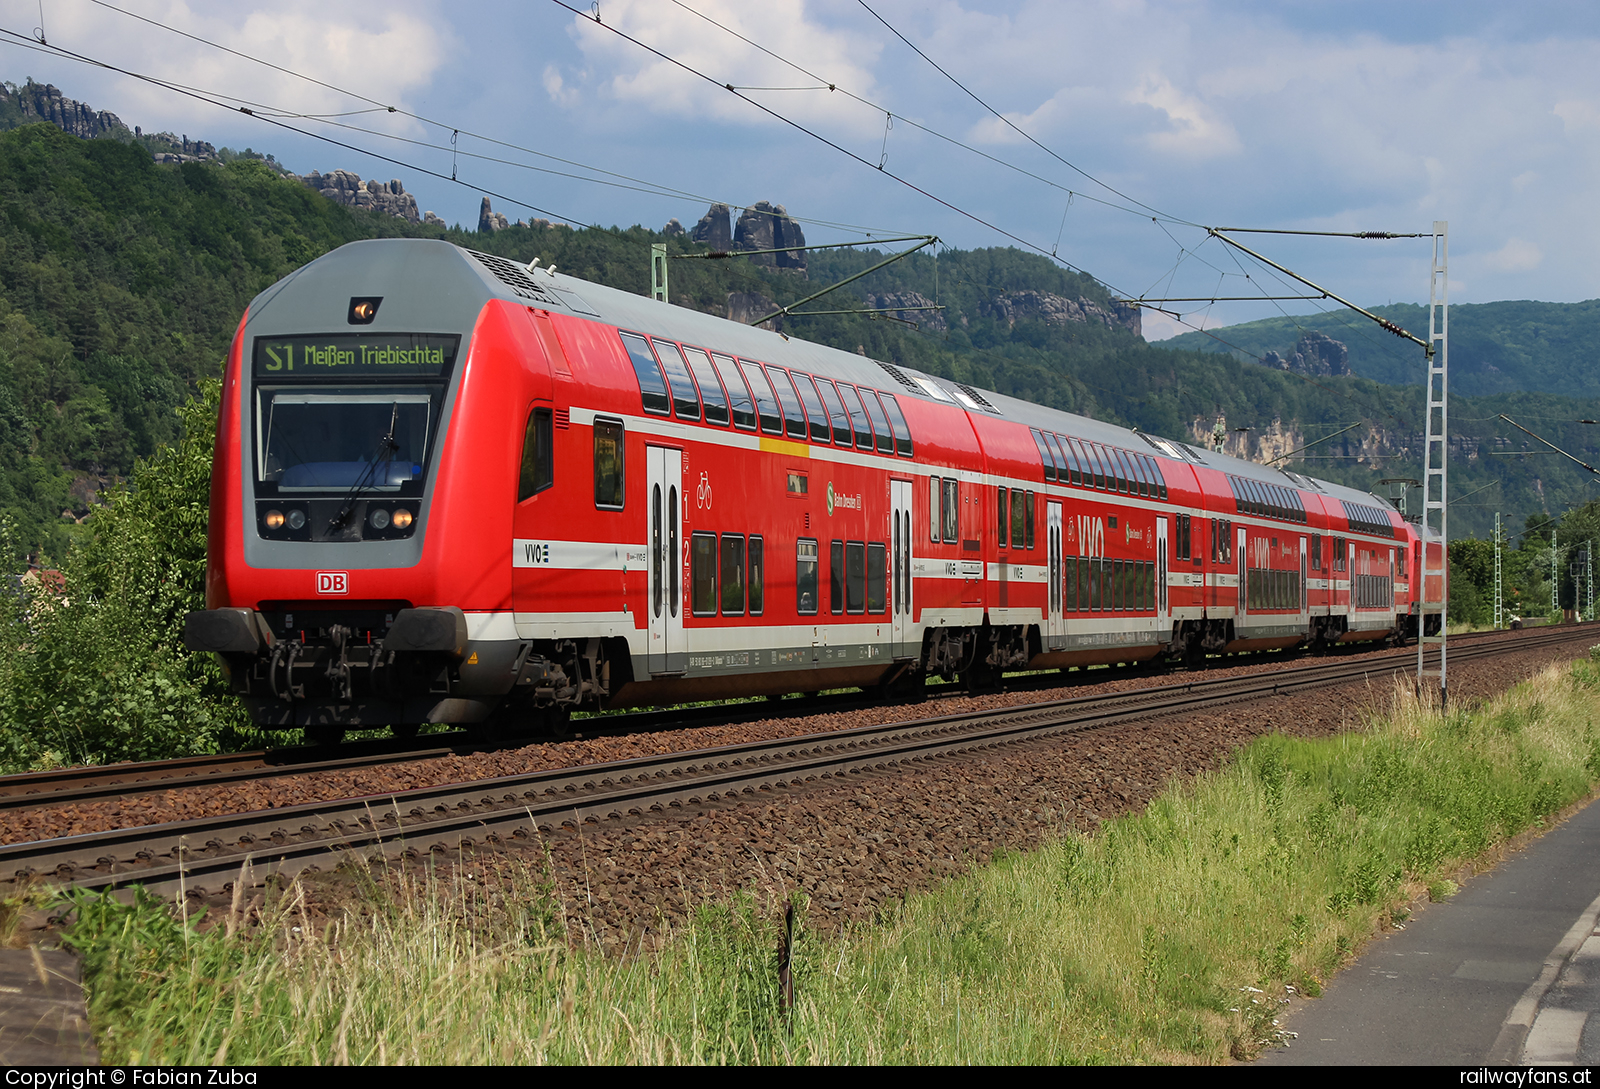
[(347, 188), (1315, 354), (1014, 306), (762, 226), (44, 102)]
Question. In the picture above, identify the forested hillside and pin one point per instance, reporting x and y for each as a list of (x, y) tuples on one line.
[(122, 281), (1498, 347)]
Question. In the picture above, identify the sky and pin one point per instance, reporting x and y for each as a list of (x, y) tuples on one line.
[(1108, 135)]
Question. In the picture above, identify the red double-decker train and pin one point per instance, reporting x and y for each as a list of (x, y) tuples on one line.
[(452, 488)]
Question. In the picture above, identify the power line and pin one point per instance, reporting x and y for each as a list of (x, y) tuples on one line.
[(634, 184), (775, 115), (823, 84), (1014, 128)]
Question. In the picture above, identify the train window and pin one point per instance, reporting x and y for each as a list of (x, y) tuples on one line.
[(1001, 498), (755, 582), (934, 492), (1053, 444), (897, 421), (674, 564), (652, 386), (1160, 477), (1141, 465), (1018, 513), (655, 549), (880, 422), (766, 402), (1029, 507), (705, 376), (805, 576), (1044, 456), (799, 483), (1316, 552), (1182, 541), (732, 574), (743, 408), (538, 466), (1074, 471), (609, 479), (818, 415), (836, 413), (877, 570), (950, 523), (1225, 543), (1097, 459), (793, 415), (1094, 584), (703, 574), (858, 416), (855, 577), (1124, 474), (685, 398), (836, 577), (1069, 573)]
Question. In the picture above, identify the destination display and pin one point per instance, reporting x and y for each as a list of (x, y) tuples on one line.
[(356, 355)]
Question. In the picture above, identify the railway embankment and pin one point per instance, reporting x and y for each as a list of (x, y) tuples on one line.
[(1089, 898)]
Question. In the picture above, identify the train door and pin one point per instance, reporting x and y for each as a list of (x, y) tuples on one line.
[(906, 645), (1244, 570), (1057, 624), (1305, 600), (1161, 574), (665, 532)]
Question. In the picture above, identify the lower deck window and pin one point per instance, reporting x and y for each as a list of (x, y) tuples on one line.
[(805, 577), (877, 566), (756, 580), (732, 574), (703, 574)]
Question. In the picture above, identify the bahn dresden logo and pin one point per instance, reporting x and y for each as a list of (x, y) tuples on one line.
[(333, 582)]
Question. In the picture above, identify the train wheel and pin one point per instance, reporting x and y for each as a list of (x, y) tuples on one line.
[(405, 731), (1194, 656), (555, 722), (324, 734)]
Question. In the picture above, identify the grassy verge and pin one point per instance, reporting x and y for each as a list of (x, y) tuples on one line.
[(1166, 937)]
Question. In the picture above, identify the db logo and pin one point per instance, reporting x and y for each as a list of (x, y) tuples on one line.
[(333, 582)]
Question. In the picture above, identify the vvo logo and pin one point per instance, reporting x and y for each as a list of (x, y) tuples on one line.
[(333, 582)]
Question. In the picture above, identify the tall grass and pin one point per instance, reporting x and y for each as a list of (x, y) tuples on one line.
[(1169, 936)]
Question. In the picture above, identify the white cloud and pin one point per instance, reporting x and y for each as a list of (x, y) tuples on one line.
[(1192, 129), (386, 54), (1517, 255), (639, 78)]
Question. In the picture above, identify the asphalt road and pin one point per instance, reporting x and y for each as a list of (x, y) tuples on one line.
[(1507, 971)]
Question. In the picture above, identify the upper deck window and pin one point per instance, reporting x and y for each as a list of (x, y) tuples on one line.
[(837, 415), (705, 376), (897, 420), (742, 407), (820, 432), (652, 383), (858, 416), (766, 400), (685, 398), (794, 417)]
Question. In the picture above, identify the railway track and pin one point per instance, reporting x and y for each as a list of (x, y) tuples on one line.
[(204, 856), (88, 784)]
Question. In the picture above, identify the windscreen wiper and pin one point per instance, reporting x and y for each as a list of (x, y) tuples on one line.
[(387, 448)]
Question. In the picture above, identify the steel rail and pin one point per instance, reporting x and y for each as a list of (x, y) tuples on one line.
[(204, 855), (62, 786)]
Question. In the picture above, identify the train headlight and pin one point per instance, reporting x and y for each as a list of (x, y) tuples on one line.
[(379, 519), (273, 519), (297, 519), (402, 519)]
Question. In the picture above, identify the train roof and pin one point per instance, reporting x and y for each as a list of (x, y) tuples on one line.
[(442, 287)]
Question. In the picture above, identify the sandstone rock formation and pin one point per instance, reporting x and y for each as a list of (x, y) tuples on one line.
[(673, 229), (432, 220), (45, 102), (490, 220), (746, 306), (912, 301), (713, 229), (347, 188), (1315, 354), (767, 226), (1014, 306)]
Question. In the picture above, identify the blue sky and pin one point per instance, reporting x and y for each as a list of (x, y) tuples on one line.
[(1310, 115)]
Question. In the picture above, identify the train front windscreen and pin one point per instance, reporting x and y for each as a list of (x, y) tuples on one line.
[(343, 428)]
